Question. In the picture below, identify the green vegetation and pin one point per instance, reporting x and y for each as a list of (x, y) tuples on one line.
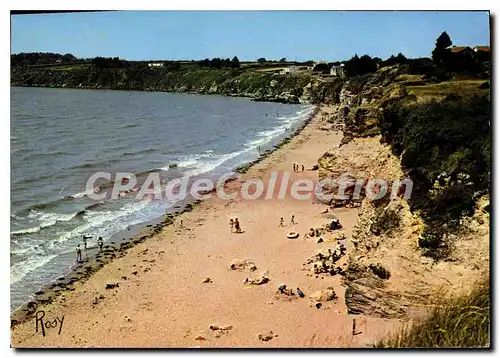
[(429, 91), (436, 116), (358, 66), (459, 322), (221, 63), (386, 221), (41, 58), (215, 76), (445, 148)]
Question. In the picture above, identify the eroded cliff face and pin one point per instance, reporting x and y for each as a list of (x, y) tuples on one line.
[(387, 274)]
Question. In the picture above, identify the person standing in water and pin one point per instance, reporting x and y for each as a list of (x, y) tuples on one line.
[(85, 241), (100, 243), (78, 254)]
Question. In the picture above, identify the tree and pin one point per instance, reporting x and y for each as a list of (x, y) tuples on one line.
[(235, 62), (261, 60), (443, 41), (393, 60), (282, 60), (360, 65), (322, 67), (441, 55)]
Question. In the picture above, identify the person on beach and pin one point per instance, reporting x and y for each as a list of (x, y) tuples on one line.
[(231, 224), (302, 167), (292, 221), (237, 226), (85, 241), (282, 222), (78, 254), (100, 243)]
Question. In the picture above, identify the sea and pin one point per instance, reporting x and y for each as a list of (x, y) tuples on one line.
[(60, 137)]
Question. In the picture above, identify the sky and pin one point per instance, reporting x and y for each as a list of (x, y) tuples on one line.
[(296, 35)]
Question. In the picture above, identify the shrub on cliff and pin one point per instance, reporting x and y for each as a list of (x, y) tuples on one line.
[(421, 66), (445, 147), (356, 83)]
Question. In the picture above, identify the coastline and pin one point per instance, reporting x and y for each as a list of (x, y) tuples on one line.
[(161, 300), (118, 245)]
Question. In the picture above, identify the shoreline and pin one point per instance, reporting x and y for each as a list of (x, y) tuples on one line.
[(120, 242), (172, 289)]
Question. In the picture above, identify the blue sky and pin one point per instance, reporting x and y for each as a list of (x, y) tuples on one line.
[(296, 35)]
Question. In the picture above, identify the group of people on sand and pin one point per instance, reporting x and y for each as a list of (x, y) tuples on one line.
[(296, 167), (79, 257), (292, 221), (235, 225)]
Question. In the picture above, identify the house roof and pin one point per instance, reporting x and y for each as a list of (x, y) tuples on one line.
[(482, 48), (459, 48)]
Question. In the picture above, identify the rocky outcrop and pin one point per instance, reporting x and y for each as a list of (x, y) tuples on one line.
[(285, 97), (368, 295)]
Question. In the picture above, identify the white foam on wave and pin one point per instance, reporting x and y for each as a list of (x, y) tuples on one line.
[(217, 161), (286, 123), (44, 220), (97, 219), (208, 161), (30, 230), (21, 269), (85, 193)]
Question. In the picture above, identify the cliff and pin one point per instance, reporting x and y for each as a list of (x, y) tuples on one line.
[(260, 86), (437, 133)]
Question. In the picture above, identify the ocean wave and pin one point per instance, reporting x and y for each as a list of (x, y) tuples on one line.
[(47, 220), (22, 268), (209, 165), (139, 152), (286, 123), (35, 179), (82, 194), (26, 231), (131, 125), (97, 222), (92, 164)]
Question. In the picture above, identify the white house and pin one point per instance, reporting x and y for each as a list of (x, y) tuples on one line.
[(289, 70), (155, 64), (337, 70)]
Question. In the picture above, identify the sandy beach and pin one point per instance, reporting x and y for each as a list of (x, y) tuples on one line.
[(162, 301)]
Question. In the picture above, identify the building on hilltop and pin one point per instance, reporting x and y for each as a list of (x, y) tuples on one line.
[(155, 64), (289, 70), (462, 50), (337, 70), (481, 49)]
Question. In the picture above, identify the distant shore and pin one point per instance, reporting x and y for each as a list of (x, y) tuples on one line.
[(258, 86)]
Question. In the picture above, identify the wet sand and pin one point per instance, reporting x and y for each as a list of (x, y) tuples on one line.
[(162, 301)]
